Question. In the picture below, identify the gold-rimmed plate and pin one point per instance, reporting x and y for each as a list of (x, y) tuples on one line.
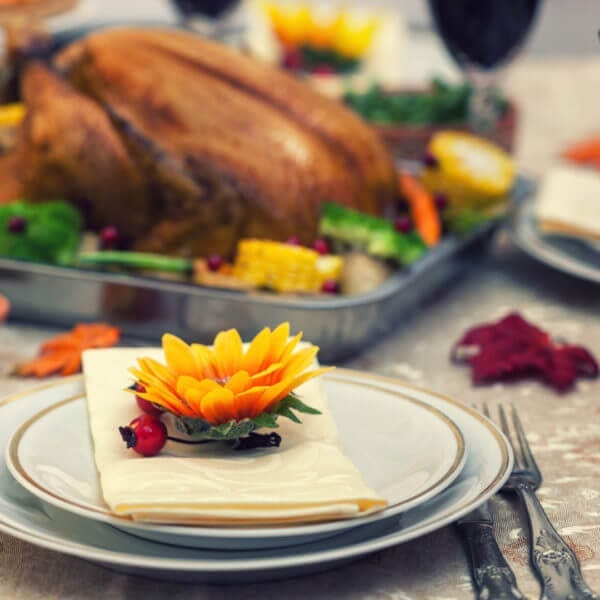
[(25, 517), (405, 449)]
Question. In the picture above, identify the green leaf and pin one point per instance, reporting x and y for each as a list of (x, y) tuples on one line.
[(232, 430), (287, 406), (51, 235), (190, 426), (292, 401), (266, 421), (199, 429), (289, 414)]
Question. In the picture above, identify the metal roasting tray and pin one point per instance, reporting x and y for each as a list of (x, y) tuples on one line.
[(145, 308)]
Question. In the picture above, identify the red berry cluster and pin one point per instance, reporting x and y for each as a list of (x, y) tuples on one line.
[(514, 349), (146, 434)]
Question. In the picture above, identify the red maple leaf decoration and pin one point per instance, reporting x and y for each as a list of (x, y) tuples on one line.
[(514, 349)]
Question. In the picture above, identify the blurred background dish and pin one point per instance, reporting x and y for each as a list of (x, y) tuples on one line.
[(333, 47), (23, 10)]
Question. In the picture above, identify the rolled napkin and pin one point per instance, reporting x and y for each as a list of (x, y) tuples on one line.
[(307, 479), (568, 203)]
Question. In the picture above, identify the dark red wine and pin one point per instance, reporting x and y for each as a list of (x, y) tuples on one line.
[(483, 33), (207, 8)]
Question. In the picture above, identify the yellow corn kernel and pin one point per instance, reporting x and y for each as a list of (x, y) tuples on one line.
[(277, 266)]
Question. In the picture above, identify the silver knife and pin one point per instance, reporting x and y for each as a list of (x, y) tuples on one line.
[(492, 577)]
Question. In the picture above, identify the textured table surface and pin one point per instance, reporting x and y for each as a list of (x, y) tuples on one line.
[(564, 430)]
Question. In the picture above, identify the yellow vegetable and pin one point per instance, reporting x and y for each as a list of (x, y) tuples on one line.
[(284, 267), (11, 114), (329, 267), (469, 170)]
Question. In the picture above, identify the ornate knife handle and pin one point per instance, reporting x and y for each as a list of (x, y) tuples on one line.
[(554, 562), (492, 576)]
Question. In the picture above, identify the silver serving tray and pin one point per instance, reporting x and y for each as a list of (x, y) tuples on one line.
[(145, 307)]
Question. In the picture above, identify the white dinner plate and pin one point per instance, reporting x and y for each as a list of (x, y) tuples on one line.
[(24, 516), (570, 255), (406, 450)]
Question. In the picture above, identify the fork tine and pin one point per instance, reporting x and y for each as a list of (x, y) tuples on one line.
[(523, 443), (486, 411), (506, 430)]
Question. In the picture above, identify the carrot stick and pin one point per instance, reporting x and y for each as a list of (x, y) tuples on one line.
[(422, 208), (586, 151)]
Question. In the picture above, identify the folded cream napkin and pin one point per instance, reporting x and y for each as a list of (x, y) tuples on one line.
[(568, 203), (307, 479)]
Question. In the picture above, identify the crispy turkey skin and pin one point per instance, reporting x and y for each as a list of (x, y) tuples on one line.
[(187, 146)]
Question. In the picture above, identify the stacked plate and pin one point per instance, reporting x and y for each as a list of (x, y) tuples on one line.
[(431, 457), (574, 256)]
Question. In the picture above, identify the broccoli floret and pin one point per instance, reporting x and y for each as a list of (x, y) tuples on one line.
[(373, 235), (47, 232)]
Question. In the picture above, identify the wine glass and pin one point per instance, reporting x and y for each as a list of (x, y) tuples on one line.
[(206, 17), (481, 36)]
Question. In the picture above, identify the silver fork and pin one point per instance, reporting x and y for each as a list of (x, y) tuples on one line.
[(555, 564)]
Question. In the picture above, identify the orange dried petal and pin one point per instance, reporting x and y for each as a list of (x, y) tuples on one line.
[(204, 360), (228, 352), (257, 352), (290, 347), (279, 338), (178, 355), (299, 361), (239, 382)]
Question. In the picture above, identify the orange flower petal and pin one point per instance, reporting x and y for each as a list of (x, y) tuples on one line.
[(264, 377), (228, 352), (299, 361), (277, 393), (217, 406), (245, 403), (204, 360), (239, 382), (279, 338), (257, 352), (178, 355), (186, 383), (290, 347), (167, 400), (158, 370)]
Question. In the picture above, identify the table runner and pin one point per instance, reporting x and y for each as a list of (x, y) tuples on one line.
[(564, 430)]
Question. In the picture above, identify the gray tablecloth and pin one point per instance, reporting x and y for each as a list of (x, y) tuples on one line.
[(564, 430)]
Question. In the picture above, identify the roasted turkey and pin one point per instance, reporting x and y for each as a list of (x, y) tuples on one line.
[(187, 146)]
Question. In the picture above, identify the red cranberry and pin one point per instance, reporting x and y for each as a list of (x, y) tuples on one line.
[(430, 161), (146, 434), (293, 241), (331, 287), (323, 70), (403, 224), (17, 224), (441, 201), (214, 263), (293, 60), (148, 407), (109, 237), (321, 246)]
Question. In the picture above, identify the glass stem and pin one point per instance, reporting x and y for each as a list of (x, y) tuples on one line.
[(483, 105)]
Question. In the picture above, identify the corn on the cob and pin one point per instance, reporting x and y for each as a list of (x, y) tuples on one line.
[(283, 267), (470, 171), (11, 115)]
